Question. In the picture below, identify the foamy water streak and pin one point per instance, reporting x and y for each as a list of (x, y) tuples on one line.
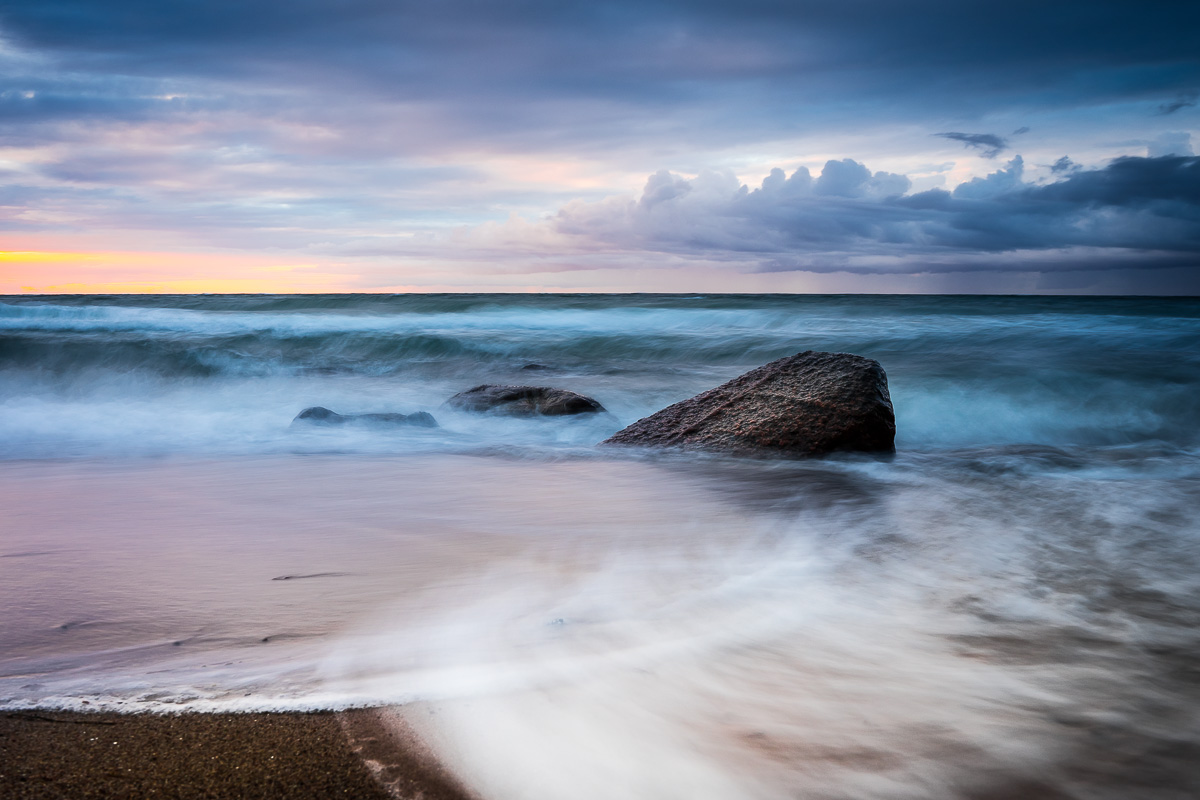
[(929, 627), (838, 652)]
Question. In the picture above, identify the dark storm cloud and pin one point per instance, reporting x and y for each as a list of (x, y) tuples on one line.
[(1063, 165), (1185, 100), (989, 144), (1169, 185), (1132, 206), (499, 68)]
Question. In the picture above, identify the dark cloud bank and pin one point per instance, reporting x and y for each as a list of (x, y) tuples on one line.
[(1135, 213), (574, 74)]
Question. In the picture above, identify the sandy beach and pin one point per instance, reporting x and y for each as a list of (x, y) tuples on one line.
[(53, 754)]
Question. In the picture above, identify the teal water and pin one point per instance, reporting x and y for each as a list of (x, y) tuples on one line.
[(215, 374)]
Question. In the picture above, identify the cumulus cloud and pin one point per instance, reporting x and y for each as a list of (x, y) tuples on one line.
[(989, 144), (848, 178), (1172, 143), (848, 218)]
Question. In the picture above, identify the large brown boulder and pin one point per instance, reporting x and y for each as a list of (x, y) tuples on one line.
[(524, 401), (807, 404)]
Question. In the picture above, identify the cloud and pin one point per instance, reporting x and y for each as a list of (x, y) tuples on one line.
[(989, 144), (1171, 143), (1166, 187), (848, 178), (996, 184), (587, 76), (848, 219), (1184, 100), (1063, 165), (378, 126)]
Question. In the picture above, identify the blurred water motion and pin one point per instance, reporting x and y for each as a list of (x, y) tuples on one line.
[(713, 629), (1008, 608)]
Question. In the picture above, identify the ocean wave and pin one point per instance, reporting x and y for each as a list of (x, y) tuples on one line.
[(962, 371)]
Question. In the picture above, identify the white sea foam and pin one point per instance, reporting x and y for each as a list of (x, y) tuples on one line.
[(571, 628)]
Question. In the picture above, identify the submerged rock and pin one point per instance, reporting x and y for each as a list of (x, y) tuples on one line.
[(523, 401), (319, 415), (807, 404)]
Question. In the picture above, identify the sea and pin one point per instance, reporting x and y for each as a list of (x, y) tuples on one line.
[(1007, 607)]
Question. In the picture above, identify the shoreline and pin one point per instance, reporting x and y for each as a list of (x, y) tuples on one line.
[(312, 755)]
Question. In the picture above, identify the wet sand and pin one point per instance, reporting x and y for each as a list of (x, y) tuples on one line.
[(53, 754)]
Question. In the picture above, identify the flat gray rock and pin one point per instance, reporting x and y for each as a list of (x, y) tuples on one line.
[(523, 401), (319, 415), (807, 404)]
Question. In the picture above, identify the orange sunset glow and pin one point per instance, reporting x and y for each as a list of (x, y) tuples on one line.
[(82, 272)]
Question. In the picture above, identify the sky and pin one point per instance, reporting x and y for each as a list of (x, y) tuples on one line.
[(461, 145)]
